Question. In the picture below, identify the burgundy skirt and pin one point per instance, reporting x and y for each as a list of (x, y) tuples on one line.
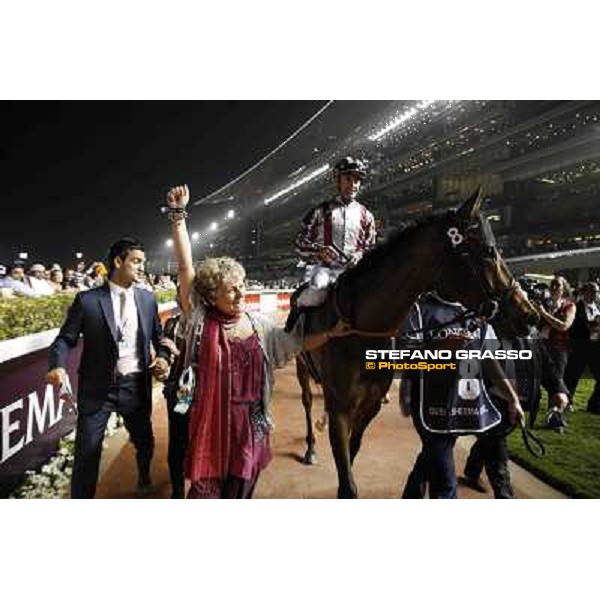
[(250, 450)]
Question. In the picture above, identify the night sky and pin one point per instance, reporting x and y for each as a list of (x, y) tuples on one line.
[(78, 175)]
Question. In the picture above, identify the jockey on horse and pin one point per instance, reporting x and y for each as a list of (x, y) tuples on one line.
[(334, 236)]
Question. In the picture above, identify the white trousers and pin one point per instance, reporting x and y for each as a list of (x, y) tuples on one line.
[(319, 279)]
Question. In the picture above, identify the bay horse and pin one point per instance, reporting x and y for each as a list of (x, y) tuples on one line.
[(454, 253)]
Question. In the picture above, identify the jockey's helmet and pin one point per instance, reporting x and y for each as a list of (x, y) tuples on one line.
[(351, 165)]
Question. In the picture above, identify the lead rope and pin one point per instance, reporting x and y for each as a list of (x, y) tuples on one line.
[(527, 435)]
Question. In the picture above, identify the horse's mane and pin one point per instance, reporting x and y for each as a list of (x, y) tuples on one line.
[(372, 258)]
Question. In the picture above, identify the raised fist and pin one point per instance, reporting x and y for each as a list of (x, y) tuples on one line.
[(178, 196)]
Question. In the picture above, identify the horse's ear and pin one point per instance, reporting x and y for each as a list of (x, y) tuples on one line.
[(470, 208)]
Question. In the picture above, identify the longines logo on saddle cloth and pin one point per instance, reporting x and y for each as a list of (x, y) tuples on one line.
[(454, 403)]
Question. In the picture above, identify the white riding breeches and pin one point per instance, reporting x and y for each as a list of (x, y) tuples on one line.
[(319, 279)]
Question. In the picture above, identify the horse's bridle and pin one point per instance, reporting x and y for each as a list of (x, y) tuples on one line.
[(500, 301)]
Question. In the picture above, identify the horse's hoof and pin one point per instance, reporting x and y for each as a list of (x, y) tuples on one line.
[(310, 458), (347, 494)]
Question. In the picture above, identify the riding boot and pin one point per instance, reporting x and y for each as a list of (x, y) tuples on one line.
[(294, 309)]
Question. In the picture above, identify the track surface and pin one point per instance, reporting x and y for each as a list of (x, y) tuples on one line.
[(389, 448)]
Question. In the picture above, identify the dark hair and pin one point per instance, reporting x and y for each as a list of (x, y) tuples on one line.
[(121, 249), (17, 264)]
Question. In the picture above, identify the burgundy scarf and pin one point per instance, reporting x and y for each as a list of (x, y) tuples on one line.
[(208, 430)]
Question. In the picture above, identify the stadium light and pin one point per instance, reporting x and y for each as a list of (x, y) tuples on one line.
[(214, 226), (195, 235), (405, 116), (169, 243), (298, 183), (23, 255), (78, 255), (230, 213)]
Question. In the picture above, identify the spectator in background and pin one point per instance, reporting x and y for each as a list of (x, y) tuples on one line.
[(17, 271), (144, 283), (164, 282), (37, 281), (557, 319), (56, 278), (78, 277), (5, 292), (69, 282), (96, 275), (16, 282), (585, 344)]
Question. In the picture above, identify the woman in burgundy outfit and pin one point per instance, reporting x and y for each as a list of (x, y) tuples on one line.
[(232, 355)]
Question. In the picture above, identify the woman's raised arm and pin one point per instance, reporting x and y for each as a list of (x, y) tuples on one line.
[(178, 198)]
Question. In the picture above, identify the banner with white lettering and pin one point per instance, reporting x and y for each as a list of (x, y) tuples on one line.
[(32, 417)]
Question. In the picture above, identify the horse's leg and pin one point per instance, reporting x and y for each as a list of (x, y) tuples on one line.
[(310, 458), (363, 418), (339, 437)]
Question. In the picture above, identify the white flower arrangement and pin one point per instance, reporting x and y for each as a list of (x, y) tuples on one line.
[(54, 478)]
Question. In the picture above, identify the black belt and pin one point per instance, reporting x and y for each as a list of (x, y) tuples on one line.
[(135, 377)]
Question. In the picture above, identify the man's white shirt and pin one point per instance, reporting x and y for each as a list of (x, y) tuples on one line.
[(127, 329)]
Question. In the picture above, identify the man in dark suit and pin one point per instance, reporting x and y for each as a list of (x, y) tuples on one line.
[(119, 322)]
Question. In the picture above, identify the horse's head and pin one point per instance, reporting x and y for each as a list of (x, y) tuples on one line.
[(475, 274)]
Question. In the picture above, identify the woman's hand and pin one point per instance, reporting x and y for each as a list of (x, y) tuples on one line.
[(177, 200), (315, 340), (178, 196)]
